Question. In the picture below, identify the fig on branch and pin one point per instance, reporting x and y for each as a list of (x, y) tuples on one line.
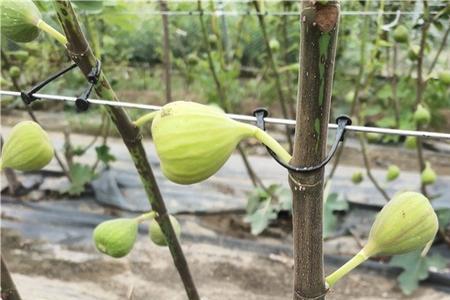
[(428, 175), (444, 77), (156, 234), (401, 34), (410, 142), (27, 148), (422, 116), (413, 52), (357, 177), (14, 72), (19, 19), (116, 237), (392, 173), (274, 45), (193, 141), (406, 223)]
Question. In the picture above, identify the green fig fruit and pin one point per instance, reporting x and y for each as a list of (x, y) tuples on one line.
[(156, 234), (212, 39), (349, 97), (410, 142), (116, 237), (20, 55), (27, 148), (357, 177), (401, 34), (392, 173), (193, 141), (428, 175), (19, 19), (274, 45), (14, 72), (413, 52), (422, 116), (444, 76), (406, 223)]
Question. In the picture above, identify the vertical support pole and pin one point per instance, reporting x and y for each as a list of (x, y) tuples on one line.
[(318, 37), (166, 49)]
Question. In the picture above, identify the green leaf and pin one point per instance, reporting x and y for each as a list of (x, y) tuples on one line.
[(261, 219), (332, 204), (91, 6), (444, 217), (80, 175), (104, 154), (415, 268)]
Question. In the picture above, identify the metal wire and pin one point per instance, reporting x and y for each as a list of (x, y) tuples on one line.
[(244, 118)]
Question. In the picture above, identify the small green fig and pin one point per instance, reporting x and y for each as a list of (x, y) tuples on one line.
[(392, 173), (422, 116), (274, 45), (401, 34), (349, 97), (193, 141), (19, 19), (444, 76), (116, 237), (156, 234), (428, 175), (413, 52), (212, 39), (192, 58), (27, 148), (406, 223), (357, 177), (410, 142), (14, 72)]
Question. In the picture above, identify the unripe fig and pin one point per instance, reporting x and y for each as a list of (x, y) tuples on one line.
[(14, 72), (413, 52), (444, 76), (406, 223), (27, 148), (192, 58), (392, 173), (156, 234), (274, 45), (428, 175), (410, 142), (116, 237), (422, 116), (357, 177), (349, 97), (401, 34), (193, 141), (19, 19), (212, 39)]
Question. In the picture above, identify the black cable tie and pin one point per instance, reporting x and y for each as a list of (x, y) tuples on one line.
[(28, 96), (82, 102), (342, 121)]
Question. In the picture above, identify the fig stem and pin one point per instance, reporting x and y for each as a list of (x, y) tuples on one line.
[(147, 216), (145, 119), (270, 142), (356, 260), (41, 24)]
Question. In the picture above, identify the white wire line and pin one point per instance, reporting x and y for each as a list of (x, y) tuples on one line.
[(244, 118)]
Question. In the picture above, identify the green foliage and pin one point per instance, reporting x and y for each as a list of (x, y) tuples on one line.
[(333, 203), (80, 175), (415, 268), (104, 154)]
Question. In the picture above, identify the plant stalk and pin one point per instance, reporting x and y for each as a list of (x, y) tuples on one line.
[(42, 25), (356, 260), (318, 39), (82, 55)]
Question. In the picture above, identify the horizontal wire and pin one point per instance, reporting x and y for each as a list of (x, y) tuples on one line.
[(245, 118)]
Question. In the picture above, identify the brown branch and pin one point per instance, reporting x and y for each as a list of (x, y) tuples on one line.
[(82, 55), (438, 53)]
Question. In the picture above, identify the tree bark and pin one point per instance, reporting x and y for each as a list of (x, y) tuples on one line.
[(318, 38), (81, 53)]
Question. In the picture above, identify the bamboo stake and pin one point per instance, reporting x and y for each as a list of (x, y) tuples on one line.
[(318, 38), (82, 55)]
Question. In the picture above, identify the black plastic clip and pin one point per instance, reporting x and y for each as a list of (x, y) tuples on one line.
[(29, 96), (82, 102), (342, 121)]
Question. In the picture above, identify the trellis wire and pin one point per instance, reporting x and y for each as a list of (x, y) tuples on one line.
[(245, 118)]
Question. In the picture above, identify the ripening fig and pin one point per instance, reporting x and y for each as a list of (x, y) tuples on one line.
[(401, 34), (413, 52), (357, 177), (406, 223), (14, 72), (27, 148), (422, 116), (156, 234), (19, 19), (410, 142), (392, 173), (274, 45), (444, 76), (428, 175), (193, 141), (116, 237)]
